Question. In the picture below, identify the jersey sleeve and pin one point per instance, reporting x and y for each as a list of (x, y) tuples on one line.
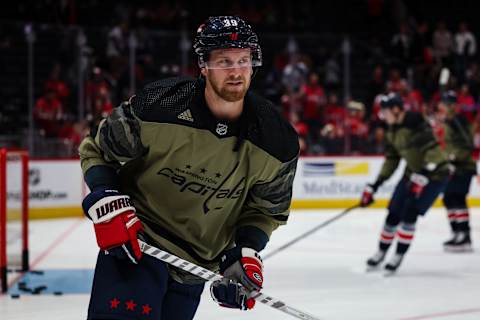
[(267, 206), (462, 139), (392, 159), (433, 157), (114, 142)]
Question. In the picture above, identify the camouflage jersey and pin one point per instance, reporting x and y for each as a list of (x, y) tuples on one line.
[(413, 140), (198, 184), (459, 144)]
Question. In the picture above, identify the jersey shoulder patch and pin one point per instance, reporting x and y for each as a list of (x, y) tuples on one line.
[(165, 99), (272, 132)]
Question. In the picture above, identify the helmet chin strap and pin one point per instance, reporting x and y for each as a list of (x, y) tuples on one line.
[(254, 72)]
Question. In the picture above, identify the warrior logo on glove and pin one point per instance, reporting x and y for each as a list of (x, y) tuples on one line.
[(117, 227), (117, 204)]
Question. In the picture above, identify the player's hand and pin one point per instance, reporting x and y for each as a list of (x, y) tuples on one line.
[(231, 294), (417, 184), (367, 195), (243, 265), (244, 268), (116, 225)]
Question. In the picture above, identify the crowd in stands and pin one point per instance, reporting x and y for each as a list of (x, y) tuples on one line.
[(413, 65), (307, 90)]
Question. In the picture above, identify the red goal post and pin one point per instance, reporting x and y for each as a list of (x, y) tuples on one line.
[(22, 157)]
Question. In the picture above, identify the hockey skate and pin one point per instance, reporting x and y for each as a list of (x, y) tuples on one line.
[(392, 266), (374, 261), (459, 243)]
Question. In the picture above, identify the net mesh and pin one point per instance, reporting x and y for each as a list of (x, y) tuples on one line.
[(14, 210)]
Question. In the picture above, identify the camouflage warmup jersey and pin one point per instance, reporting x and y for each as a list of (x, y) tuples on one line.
[(459, 144), (199, 184), (413, 141)]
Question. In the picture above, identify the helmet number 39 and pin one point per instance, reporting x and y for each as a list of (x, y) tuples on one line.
[(230, 22)]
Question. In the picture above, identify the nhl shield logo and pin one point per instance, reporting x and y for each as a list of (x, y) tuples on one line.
[(221, 129)]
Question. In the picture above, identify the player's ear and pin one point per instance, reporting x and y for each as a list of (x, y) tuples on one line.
[(203, 71)]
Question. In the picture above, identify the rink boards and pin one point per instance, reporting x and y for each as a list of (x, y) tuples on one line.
[(57, 188)]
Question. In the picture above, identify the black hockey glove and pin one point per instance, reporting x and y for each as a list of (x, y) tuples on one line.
[(243, 271), (230, 294)]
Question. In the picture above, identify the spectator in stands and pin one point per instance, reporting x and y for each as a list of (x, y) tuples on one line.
[(273, 87), (48, 112), (395, 81), (412, 98), (117, 48), (442, 44), (422, 54), (376, 143), (332, 140), (56, 84), (72, 134), (302, 131), (295, 73), (332, 73), (421, 45), (473, 79), (375, 116), (465, 50), (314, 101), (335, 113), (375, 87), (102, 104), (466, 103), (356, 127), (401, 46), (293, 78), (98, 94), (147, 70)]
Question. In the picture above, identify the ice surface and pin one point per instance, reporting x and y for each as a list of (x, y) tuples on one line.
[(323, 274)]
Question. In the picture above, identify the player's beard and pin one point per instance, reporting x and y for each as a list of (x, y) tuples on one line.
[(231, 95)]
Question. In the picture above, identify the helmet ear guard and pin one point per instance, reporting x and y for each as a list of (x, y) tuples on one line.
[(226, 32)]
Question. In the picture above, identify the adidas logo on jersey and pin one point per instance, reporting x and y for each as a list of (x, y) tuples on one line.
[(186, 115)]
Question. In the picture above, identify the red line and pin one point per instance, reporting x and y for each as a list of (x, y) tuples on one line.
[(48, 251), (442, 314)]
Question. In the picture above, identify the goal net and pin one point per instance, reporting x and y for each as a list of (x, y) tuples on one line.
[(13, 213)]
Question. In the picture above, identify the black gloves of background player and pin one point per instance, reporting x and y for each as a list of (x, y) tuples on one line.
[(243, 272)]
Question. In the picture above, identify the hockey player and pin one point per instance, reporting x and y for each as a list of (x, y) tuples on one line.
[(202, 168), (408, 137), (459, 147)]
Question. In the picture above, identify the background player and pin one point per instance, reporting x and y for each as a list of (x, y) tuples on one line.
[(202, 168), (408, 137), (459, 147)]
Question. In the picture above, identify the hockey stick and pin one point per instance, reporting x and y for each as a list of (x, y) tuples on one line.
[(212, 276), (309, 232)]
